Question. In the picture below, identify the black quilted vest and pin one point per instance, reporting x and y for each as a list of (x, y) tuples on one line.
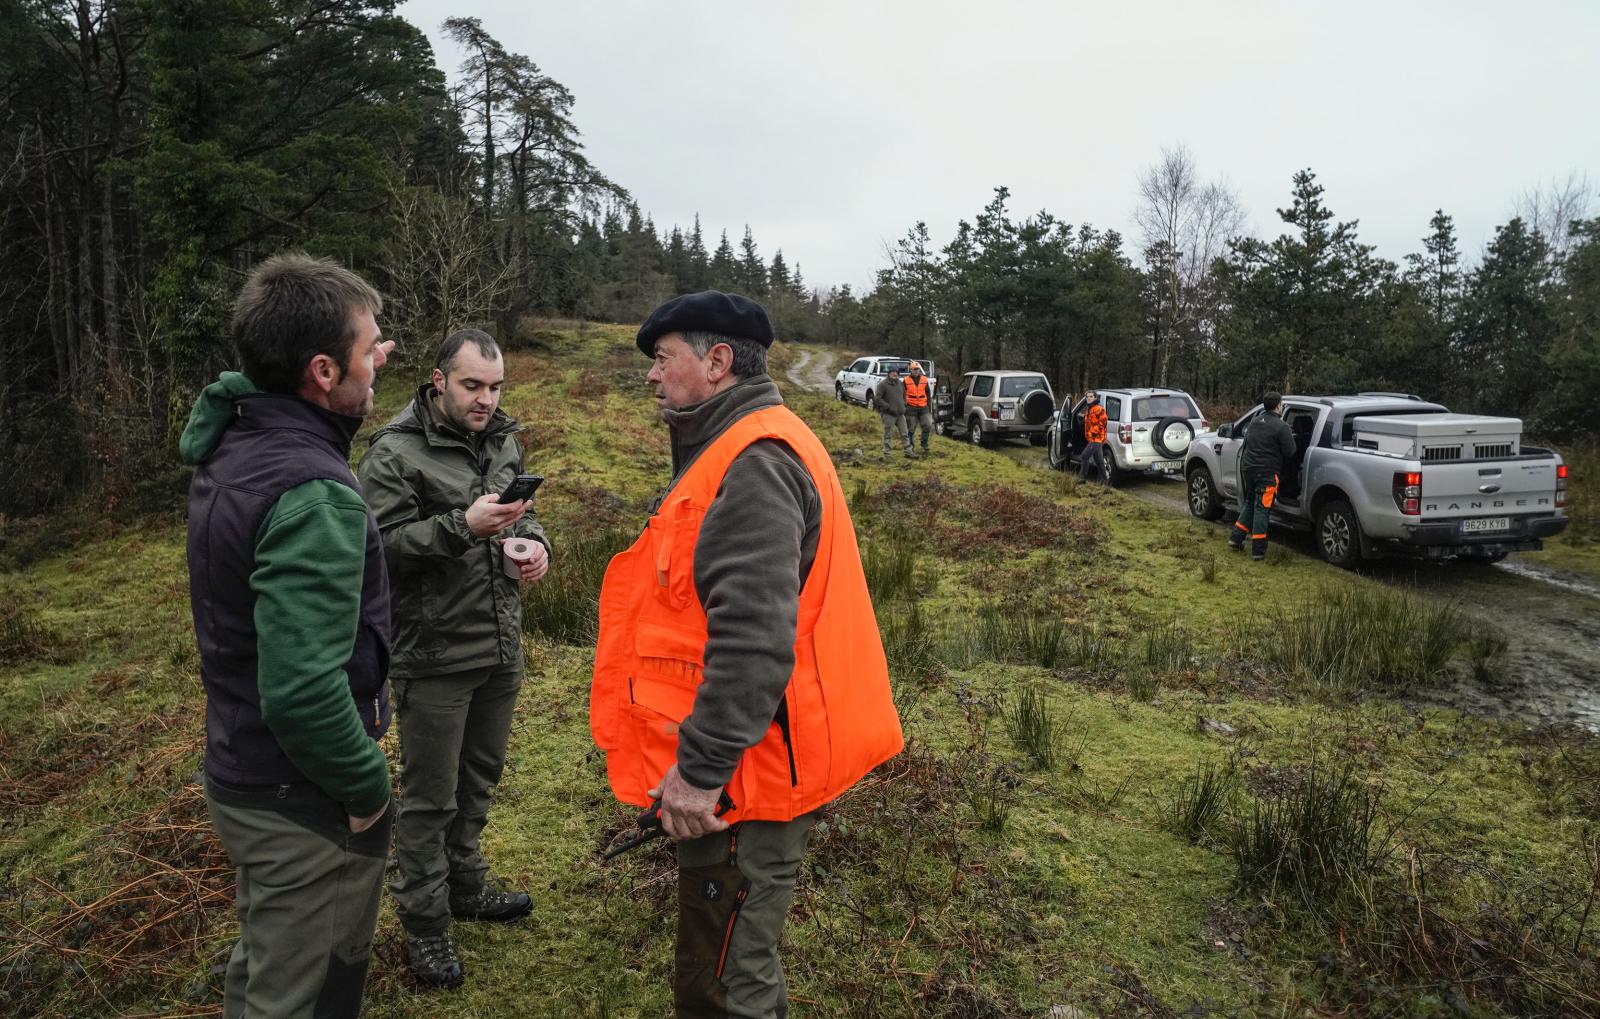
[(277, 443)]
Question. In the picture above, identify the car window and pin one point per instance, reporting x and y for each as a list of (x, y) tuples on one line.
[(1301, 421), (1244, 423), (982, 385), (859, 366), (1113, 408), (1153, 408), (1022, 385), (927, 365)]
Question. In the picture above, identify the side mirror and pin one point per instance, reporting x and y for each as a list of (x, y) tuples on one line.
[(1225, 432)]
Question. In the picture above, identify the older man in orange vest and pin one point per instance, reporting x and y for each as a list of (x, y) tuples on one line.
[(739, 659), (919, 407)]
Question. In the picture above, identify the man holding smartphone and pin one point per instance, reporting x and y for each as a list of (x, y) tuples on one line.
[(433, 477)]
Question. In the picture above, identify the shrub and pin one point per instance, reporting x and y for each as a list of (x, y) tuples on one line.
[(890, 562), (909, 644)]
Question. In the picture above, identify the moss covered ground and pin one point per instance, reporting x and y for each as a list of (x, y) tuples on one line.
[(960, 879)]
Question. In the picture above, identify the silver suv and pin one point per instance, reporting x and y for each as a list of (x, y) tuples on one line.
[(994, 405), (1148, 431)]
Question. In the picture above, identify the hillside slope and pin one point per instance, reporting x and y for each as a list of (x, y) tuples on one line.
[(1071, 664)]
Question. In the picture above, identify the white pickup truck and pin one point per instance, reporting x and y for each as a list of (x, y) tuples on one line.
[(1388, 474)]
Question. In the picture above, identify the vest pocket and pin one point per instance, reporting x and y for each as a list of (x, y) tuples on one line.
[(673, 531), (657, 705)]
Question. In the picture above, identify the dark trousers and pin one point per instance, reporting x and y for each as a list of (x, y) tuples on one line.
[(734, 889), (453, 733), (307, 896), (1092, 462), (1257, 491), (919, 417)]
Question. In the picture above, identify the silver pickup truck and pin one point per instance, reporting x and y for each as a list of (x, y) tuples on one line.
[(1389, 474)]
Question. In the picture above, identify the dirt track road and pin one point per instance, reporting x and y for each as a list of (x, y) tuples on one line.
[(814, 370), (1550, 619)]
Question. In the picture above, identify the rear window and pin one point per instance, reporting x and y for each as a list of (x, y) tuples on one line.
[(1153, 408), (883, 367), (982, 385), (1022, 385)]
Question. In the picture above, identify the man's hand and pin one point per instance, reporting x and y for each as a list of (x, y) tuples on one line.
[(488, 515), (536, 567), (361, 824), (686, 812)]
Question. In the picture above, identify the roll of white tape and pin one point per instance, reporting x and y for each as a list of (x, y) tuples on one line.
[(515, 552)]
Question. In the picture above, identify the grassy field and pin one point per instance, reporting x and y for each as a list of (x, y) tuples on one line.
[(1142, 776)]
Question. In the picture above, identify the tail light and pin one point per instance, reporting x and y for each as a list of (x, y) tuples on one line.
[(1408, 492), (1125, 434), (1561, 485), (994, 413), (1205, 426)]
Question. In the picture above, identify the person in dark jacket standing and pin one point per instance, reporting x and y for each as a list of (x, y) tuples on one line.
[(291, 613), (739, 677), (890, 397), (433, 476), (1268, 448)]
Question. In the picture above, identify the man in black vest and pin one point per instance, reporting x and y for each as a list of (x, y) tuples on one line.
[(291, 612)]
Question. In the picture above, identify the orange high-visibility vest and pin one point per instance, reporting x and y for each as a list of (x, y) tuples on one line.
[(648, 662), (1094, 425), (916, 391)]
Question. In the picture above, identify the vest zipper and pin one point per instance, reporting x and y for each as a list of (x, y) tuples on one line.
[(782, 718)]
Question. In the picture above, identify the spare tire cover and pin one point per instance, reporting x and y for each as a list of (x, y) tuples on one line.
[(1171, 437), (1037, 407)]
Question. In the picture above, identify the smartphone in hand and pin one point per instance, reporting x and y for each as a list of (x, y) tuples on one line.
[(522, 487)]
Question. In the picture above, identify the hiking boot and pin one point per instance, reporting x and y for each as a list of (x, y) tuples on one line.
[(434, 961), (1235, 545), (491, 905)]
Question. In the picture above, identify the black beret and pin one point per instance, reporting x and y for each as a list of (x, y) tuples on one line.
[(710, 311)]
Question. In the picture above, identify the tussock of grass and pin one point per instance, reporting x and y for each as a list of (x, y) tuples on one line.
[(1345, 639), (1035, 728), (1201, 800), (564, 606)]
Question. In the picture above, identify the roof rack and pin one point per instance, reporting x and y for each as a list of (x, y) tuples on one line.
[(1397, 396)]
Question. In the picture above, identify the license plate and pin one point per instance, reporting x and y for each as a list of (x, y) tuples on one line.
[(1006, 413), (1485, 524), (1168, 466)]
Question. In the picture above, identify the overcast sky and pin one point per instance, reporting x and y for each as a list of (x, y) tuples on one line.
[(831, 127)]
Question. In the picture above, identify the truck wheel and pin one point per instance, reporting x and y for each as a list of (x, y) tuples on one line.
[(976, 435), (1112, 475), (1203, 500), (1036, 407), (1339, 534), (1036, 438), (870, 401), (838, 391)]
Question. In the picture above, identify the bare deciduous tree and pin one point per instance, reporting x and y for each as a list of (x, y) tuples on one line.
[(1186, 224), (1550, 210), (441, 267)]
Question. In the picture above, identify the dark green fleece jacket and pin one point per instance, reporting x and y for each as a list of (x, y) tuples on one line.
[(454, 607)]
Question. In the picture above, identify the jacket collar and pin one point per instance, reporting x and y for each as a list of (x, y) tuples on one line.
[(694, 427), (261, 411)]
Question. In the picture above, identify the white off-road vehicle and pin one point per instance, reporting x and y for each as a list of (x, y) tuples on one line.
[(1148, 431), (855, 382)]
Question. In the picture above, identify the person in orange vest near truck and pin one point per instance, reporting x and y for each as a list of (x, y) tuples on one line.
[(919, 408), (1093, 458), (739, 680)]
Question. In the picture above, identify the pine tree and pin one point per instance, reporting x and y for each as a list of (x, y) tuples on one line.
[(751, 274), (778, 281), (699, 263), (723, 270)]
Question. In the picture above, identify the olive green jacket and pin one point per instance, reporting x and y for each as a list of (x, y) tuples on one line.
[(454, 608)]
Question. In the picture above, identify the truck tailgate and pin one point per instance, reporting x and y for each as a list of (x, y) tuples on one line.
[(1484, 489)]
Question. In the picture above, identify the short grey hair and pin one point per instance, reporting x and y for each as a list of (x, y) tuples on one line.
[(749, 357)]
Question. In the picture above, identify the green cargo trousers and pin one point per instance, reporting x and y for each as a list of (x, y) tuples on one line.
[(453, 733), (307, 896), (734, 889)]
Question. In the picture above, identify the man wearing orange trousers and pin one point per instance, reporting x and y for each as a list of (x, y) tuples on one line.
[(739, 658)]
